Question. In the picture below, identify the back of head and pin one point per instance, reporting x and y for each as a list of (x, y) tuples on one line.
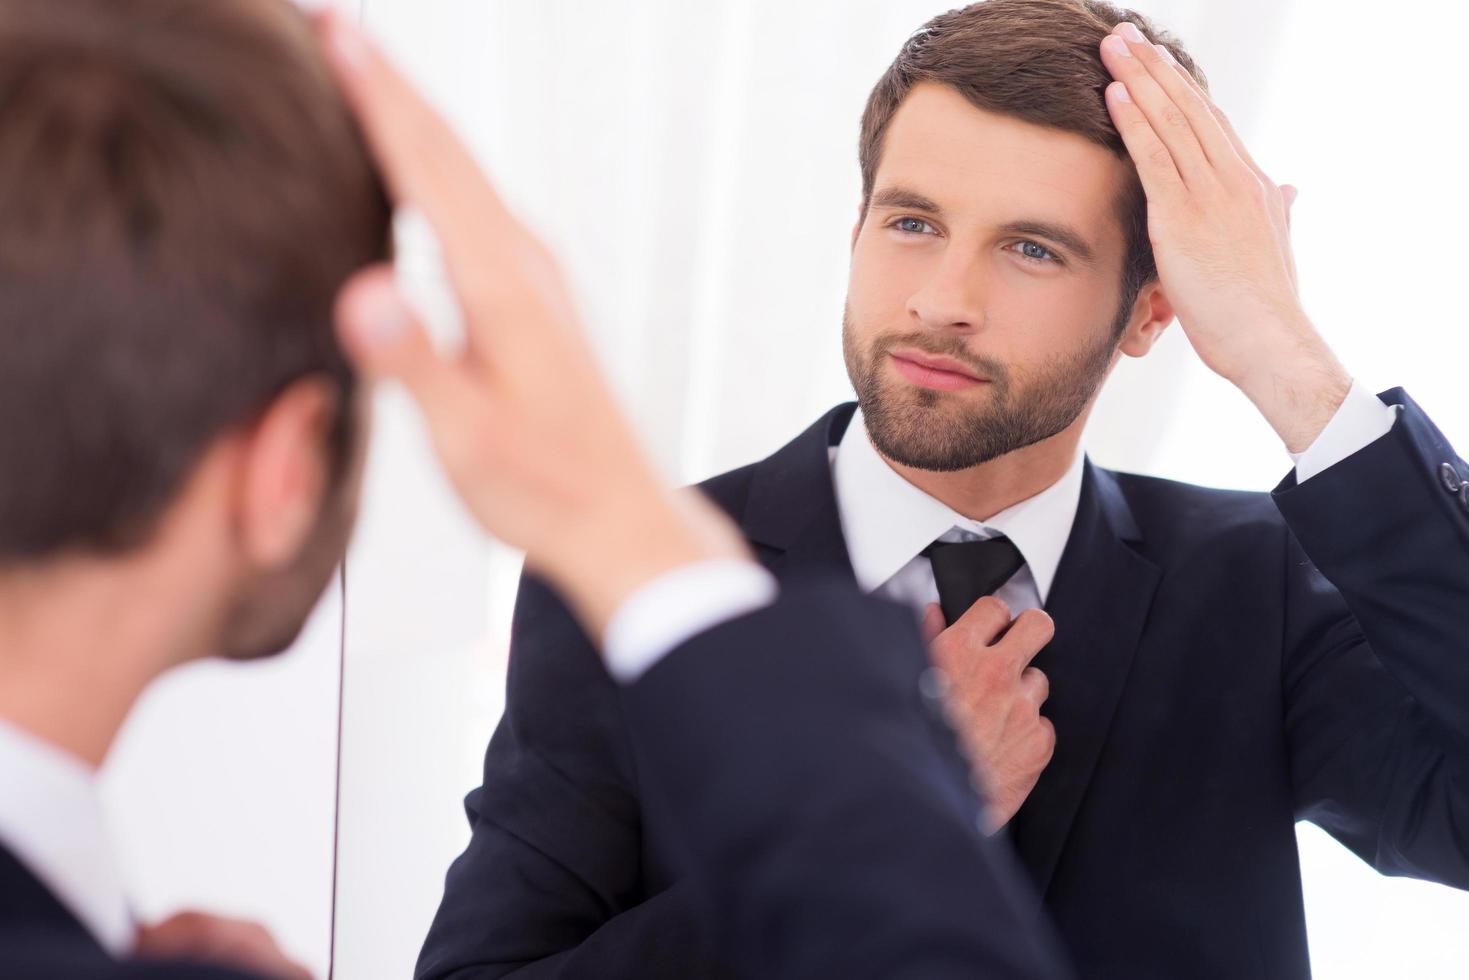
[(1035, 60), (182, 193)]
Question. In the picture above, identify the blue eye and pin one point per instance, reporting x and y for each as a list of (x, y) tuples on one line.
[(913, 226), (1037, 253)]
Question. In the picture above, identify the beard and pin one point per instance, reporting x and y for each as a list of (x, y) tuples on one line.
[(935, 430), (268, 614)]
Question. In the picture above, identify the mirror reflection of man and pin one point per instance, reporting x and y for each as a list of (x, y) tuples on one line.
[(185, 206), (1044, 190)]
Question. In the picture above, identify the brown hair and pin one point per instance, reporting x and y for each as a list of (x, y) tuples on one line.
[(182, 194), (1036, 60)]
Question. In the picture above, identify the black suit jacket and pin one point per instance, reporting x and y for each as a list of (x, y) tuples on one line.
[(758, 741), (40, 939), (1224, 665), (784, 751)]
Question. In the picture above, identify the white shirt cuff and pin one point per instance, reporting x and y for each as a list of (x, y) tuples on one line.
[(679, 605), (1362, 419)]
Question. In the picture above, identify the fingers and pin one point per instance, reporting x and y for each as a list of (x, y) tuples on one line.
[(1220, 119), (1289, 193), (1178, 112), (988, 623), (1148, 119), (1030, 633), (1155, 168), (984, 621), (425, 165), (1035, 685), (384, 339), (932, 625), (421, 159)]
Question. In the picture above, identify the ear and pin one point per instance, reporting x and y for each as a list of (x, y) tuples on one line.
[(285, 473), (1151, 315)]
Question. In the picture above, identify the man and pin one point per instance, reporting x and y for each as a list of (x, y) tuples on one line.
[(1223, 664), (182, 193), (183, 197)]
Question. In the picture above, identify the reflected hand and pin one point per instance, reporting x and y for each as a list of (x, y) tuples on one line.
[(995, 696), (522, 419), (1220, 230), (203, 938)]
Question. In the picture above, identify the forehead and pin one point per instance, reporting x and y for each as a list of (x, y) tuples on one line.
[(979, 163)]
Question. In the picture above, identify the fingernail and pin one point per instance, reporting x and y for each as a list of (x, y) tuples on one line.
[(1120, 91), (381, 318), (1117, 46), (1129, 30), (345, 40), (1165, 54)]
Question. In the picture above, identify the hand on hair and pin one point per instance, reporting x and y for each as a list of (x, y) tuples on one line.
[(1220, 230), (521, 418), (201, 938)]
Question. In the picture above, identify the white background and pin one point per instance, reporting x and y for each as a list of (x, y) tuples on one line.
[(694, 165)]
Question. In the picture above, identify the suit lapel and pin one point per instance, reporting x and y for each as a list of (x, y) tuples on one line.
[(29, 907), (1099, 601), (791, 515)]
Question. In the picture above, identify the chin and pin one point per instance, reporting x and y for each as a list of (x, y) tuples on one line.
[(264, 640)]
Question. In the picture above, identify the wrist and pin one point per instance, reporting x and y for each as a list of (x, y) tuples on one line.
[(1298, 390), (615, 551)]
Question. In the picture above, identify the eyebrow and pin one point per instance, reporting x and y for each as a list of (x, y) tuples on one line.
[(1062, 234), (904, 199)]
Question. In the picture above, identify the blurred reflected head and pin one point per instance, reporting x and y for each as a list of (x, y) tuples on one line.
[(1001, 260), (182, 194)]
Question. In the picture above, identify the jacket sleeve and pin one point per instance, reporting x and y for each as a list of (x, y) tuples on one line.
[(1377, 650), (550, 883), (825, 824)]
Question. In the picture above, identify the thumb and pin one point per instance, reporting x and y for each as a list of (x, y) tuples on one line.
[(933, 622), (384, 338), (1289, 192)]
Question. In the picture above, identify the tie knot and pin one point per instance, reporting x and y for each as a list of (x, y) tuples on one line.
[(967, 570)]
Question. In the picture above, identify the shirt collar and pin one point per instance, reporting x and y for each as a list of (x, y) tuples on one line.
[(887, 521), (51, 820)]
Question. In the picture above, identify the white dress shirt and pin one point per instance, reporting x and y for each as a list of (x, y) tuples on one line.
[(51, 820), (887, 522)]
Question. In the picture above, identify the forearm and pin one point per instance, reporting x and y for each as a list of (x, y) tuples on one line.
[(554, 851), (1385, 530)]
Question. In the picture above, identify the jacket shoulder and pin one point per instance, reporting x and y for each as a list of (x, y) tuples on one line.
[(731, 489), (1172, 513)]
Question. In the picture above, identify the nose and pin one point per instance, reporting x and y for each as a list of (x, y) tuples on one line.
[(952, 299)]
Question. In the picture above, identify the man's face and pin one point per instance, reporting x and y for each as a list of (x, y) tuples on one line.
[(983, 310)]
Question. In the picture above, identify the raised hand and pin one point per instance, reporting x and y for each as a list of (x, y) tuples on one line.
[(522, 418), (1220, 229)]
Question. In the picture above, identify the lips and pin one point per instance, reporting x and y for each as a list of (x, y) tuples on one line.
[(930, 371)]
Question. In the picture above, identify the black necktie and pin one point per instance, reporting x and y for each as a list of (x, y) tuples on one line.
[(967, 570)]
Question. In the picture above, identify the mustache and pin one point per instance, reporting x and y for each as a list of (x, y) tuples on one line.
[(952, 347)]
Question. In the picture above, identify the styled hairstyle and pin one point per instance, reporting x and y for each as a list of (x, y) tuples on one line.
[(182, 194), (1035, 60)]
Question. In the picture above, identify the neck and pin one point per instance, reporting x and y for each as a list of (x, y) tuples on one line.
[(80, 640), (980, 492)]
